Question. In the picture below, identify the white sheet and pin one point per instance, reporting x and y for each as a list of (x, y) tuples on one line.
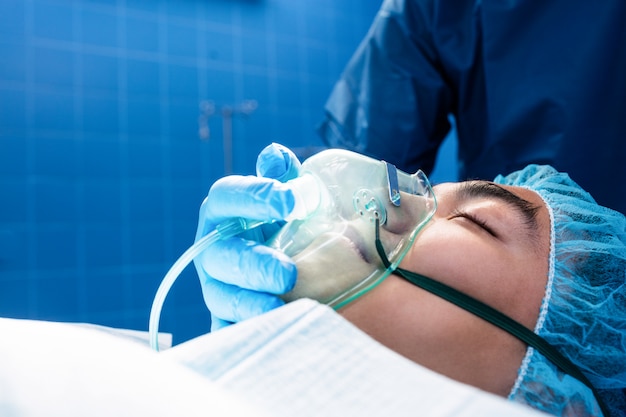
[(306, 360), (56, 369), (300, 360)]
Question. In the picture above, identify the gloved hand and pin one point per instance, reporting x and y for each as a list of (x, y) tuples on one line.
[(240, 277)]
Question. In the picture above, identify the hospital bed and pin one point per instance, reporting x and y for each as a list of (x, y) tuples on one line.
[(302, 359)]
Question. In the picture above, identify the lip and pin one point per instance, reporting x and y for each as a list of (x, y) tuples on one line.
[(359, 243)]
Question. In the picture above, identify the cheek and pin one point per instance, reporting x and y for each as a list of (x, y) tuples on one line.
[(444, 253), (479, 267)]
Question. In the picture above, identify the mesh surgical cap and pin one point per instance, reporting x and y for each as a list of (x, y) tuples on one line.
[(583, 313)]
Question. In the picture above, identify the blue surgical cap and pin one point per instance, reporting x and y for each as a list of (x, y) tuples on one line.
[(583, 313)]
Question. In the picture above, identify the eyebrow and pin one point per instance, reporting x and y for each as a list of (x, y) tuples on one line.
[(470, 190)]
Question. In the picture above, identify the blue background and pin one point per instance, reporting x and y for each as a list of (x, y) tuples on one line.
[(102, 167)]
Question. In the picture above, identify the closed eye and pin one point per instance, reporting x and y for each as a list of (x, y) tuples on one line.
[(474, 219)]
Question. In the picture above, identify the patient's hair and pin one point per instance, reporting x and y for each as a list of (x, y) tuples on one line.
[(583, 312)]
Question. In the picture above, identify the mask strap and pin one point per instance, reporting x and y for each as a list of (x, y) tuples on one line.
[(491, 315)]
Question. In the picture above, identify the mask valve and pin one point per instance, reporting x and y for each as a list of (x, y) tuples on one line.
[(369, 207)]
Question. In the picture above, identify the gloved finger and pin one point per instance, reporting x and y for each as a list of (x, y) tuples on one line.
[(249, 197), (244, 196), (242, 304), (278, 162), (249, 265)]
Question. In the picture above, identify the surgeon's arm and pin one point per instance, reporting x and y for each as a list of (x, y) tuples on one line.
[(392, 101), (241, 277)]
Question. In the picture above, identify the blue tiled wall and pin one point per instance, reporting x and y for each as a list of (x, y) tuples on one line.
[(102, 168)]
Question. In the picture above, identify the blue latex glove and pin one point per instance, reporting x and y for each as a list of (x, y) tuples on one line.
[(240, 277)]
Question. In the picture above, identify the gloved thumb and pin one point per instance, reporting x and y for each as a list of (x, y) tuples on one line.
[(278, 162)]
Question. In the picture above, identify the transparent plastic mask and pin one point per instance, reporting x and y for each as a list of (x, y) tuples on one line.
[(340, 197), (334, 245)]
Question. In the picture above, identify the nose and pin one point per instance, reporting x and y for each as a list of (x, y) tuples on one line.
[(414, 212)]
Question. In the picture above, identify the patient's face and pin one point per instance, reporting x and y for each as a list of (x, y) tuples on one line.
[(482, 241)]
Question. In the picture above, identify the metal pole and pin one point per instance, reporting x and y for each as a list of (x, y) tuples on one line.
[(227, 138), (207, 109)]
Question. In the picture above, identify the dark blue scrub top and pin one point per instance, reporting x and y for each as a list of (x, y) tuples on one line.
[(528, 81)]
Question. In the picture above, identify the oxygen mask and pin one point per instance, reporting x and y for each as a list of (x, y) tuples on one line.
[(341, 199), (342, 194)]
